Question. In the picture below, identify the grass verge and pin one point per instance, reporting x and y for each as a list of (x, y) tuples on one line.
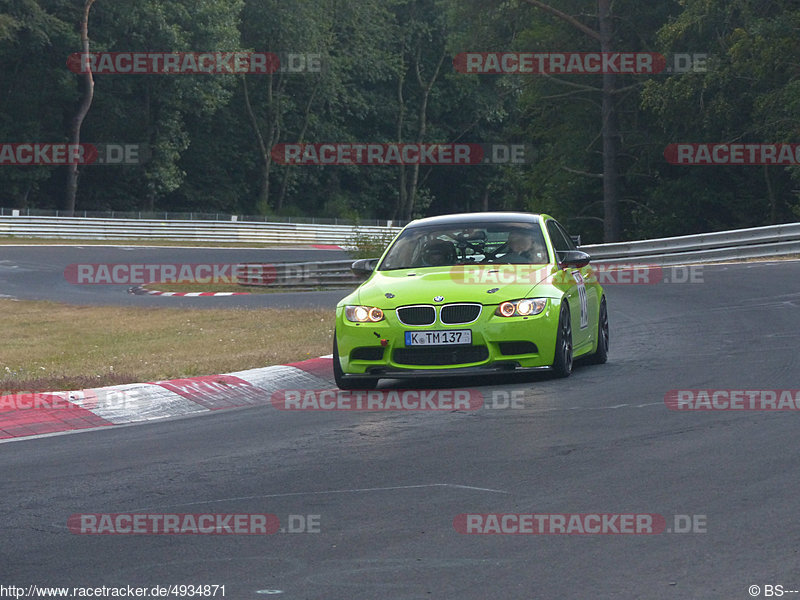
[(47, 345)]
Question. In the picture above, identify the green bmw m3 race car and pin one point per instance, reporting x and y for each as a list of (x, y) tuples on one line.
[(468, 294)]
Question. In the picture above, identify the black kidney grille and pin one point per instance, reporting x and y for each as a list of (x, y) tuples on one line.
[(453, 314), (416, 315)]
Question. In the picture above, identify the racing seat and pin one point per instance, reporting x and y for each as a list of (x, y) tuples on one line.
[(438, 253)]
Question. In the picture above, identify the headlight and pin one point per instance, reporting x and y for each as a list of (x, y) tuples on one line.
[(363, 314), (521, 308)]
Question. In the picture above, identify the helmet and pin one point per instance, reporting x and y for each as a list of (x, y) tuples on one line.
[(439, 253)]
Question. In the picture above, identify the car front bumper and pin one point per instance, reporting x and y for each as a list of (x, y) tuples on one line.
[(492, 341)]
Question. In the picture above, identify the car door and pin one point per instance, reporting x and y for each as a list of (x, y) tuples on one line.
[(593, 289), (575, 287)]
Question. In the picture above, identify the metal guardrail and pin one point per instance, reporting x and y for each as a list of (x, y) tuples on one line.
[(283, 234), (192, 216), (756, 242), (301, 275)]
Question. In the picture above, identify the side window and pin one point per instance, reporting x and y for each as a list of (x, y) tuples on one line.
[(561, 243), (567, 237)]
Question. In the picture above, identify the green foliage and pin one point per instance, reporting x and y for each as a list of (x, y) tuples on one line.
[(750, 94), (205, 147)]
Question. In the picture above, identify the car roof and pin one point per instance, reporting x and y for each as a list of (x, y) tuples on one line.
[(478, 218)]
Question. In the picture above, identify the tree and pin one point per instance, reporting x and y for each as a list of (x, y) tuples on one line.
[(587, 129), (421, 38), (318, 106), (749, 94), (153, 109), (604, 36), (35, 38), (83, 109)]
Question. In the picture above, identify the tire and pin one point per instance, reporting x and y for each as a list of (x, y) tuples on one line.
[(562, 361), (600, 356), (346, 383)]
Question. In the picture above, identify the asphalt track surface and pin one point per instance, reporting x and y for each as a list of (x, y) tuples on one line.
[(37, 273), (387, 485)]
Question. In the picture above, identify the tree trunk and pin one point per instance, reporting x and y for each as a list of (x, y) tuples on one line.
[(83, 109), (264, 146), (300, 140), (400, 205), (422, 130), (150, 194), (612, 229), (773, 203)]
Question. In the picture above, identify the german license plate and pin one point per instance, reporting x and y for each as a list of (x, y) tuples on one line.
[(451, 337)]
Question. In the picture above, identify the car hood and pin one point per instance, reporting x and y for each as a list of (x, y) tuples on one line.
[(487, 284)]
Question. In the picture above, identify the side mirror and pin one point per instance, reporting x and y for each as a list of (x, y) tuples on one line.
[(364, 267), (573, 258)]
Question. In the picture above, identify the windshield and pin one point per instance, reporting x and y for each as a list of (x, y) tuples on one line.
[(467, 243)]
